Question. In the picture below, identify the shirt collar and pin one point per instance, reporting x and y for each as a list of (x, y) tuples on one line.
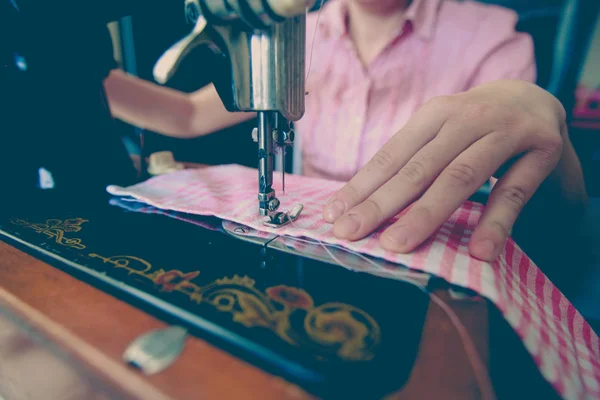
[(422, 14)]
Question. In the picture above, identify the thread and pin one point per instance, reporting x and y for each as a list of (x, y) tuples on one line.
[(326, 248), (312, 46), (479, 369), (481, 373)]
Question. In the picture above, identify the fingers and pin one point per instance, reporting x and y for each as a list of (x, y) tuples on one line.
[(463, 176), (507, 200), (407, 184), (443, 170), (423, 127)]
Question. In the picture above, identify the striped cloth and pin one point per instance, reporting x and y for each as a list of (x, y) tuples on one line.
[(560, 341)]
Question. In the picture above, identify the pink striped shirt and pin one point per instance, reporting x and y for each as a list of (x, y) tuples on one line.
[(444, 47)]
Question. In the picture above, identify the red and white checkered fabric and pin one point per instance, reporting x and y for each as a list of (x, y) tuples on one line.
[(561, 342)]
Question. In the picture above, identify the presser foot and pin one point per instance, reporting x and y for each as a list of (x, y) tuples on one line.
[(283, 218)]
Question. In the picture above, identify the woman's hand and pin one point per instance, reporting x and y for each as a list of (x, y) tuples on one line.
[(511, 130)]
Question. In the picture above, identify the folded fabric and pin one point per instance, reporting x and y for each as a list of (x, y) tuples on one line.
[(312, 249), (561, 342), (337, 254), (131, 204)]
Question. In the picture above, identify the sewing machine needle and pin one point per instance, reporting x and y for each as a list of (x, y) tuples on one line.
[(283, 169)]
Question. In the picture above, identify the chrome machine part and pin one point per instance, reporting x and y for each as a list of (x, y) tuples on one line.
[(264, 42), (156, 350), (267, 202)]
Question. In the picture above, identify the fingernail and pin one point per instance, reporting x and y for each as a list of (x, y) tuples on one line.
[(334, 210), (397, 235), (347, 225)]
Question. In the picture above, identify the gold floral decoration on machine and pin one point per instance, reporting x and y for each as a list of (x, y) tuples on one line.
[(56, 228), (330, 329)]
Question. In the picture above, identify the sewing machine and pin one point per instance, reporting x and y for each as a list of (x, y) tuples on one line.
[(264, 44), (297, 315)]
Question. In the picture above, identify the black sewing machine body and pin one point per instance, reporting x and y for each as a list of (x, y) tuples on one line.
[(322, 326)]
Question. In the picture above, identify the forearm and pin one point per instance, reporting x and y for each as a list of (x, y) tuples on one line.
[(168, 111)]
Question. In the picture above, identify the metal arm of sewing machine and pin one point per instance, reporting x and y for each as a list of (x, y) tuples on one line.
[(264, 44)]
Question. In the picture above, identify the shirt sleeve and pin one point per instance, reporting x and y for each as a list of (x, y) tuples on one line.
[(513, 58)]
